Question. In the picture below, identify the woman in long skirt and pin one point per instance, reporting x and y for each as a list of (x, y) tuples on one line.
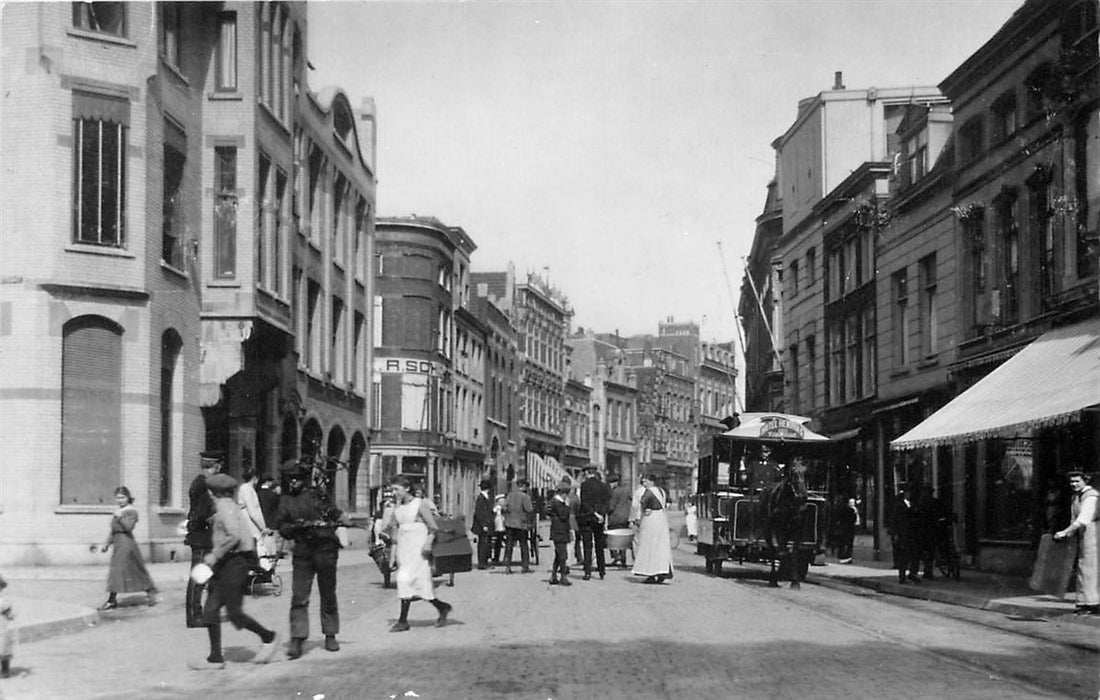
[(653, 557), (127, 573), (415, 533)]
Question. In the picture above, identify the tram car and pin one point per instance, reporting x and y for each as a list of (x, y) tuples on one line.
[(738, 469)]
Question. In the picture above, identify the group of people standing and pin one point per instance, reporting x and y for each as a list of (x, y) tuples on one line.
[(579, 515), (919, 524)]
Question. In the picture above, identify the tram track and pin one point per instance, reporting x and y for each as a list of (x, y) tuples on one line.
[(902, 624)]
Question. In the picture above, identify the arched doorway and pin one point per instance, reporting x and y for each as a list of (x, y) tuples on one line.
[(335, 448), (357, 493)]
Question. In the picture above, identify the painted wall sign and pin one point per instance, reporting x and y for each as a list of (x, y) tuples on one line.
[(404, 365)]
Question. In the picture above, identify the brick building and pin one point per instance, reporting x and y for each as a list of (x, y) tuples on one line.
[(157, 315), (423, 282)]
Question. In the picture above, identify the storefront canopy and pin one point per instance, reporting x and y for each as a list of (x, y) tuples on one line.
[(1047, 383)]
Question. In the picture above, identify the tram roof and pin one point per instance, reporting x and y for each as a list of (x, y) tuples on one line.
[(774, 427)]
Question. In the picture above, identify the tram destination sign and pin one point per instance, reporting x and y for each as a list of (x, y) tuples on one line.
[(778, 428)]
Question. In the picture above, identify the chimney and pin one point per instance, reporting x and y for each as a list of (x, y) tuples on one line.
[(838, 80)]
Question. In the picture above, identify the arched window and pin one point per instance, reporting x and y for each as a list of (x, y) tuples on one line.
[(171, 414), (91, 410)]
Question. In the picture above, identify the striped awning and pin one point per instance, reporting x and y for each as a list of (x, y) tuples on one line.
[(1047, 383)]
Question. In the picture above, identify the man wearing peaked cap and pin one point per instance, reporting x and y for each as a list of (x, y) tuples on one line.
[(199, 532)]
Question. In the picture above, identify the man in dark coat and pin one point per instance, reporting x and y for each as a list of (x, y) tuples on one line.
[(591, 518), (482, 525), (905, 537), (305, 517), (200, 528)]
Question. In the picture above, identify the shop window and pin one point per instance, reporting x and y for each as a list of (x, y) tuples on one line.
[(100, 17), (1010, 490), (100, 125), (91, 411)]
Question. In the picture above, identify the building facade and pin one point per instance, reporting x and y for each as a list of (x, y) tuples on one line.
[(159, 319), (1024, 199), (421, 263), (716, 388), (599, 363), (501, 389)]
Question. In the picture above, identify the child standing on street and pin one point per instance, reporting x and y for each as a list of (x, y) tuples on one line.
[(7, 632), (233, 549)]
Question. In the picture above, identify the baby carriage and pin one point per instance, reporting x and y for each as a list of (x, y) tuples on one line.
[(263, 577)]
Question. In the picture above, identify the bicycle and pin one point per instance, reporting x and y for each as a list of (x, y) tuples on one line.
[(945, 553)]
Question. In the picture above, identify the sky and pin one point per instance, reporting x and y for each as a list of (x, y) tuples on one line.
[(621, 150)]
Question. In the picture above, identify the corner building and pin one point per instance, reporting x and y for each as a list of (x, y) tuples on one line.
[(152, 159), (421, 263)]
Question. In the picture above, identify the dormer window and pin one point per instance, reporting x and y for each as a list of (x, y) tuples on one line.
[(916, 158)]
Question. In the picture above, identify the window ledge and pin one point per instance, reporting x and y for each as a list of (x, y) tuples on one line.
[(85, 509), (930, 361), (98, 36), (170, 510), (169, 267), (99, 250), (174, 70), (901, 372), (228, 96), (223, 283)]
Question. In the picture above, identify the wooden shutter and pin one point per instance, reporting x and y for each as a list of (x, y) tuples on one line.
[(91, 411)]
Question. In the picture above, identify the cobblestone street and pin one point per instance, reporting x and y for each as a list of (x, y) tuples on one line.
[(517, 637)]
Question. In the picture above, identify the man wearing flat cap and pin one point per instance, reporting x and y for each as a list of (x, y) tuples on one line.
[(199, 528), (309, 520)]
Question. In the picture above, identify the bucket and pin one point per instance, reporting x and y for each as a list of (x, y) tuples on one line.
[(620, 538)]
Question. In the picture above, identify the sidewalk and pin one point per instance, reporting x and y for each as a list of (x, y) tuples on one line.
[(52, 600), (976, 590)]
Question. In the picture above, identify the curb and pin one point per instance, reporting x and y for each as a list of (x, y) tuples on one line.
[(36, 631), (962, 600)]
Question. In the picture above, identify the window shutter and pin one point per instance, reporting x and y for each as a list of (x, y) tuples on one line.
[(91, 411)]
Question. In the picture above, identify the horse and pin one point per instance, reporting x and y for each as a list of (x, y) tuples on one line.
[(780, 517)]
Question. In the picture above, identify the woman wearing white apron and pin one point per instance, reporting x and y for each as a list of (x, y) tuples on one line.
[(653, 558), (415, 533)]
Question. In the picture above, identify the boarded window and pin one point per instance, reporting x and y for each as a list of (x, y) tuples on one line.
[(91, 410)]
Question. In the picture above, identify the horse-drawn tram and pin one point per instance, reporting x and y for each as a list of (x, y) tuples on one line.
[(753, 501)]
